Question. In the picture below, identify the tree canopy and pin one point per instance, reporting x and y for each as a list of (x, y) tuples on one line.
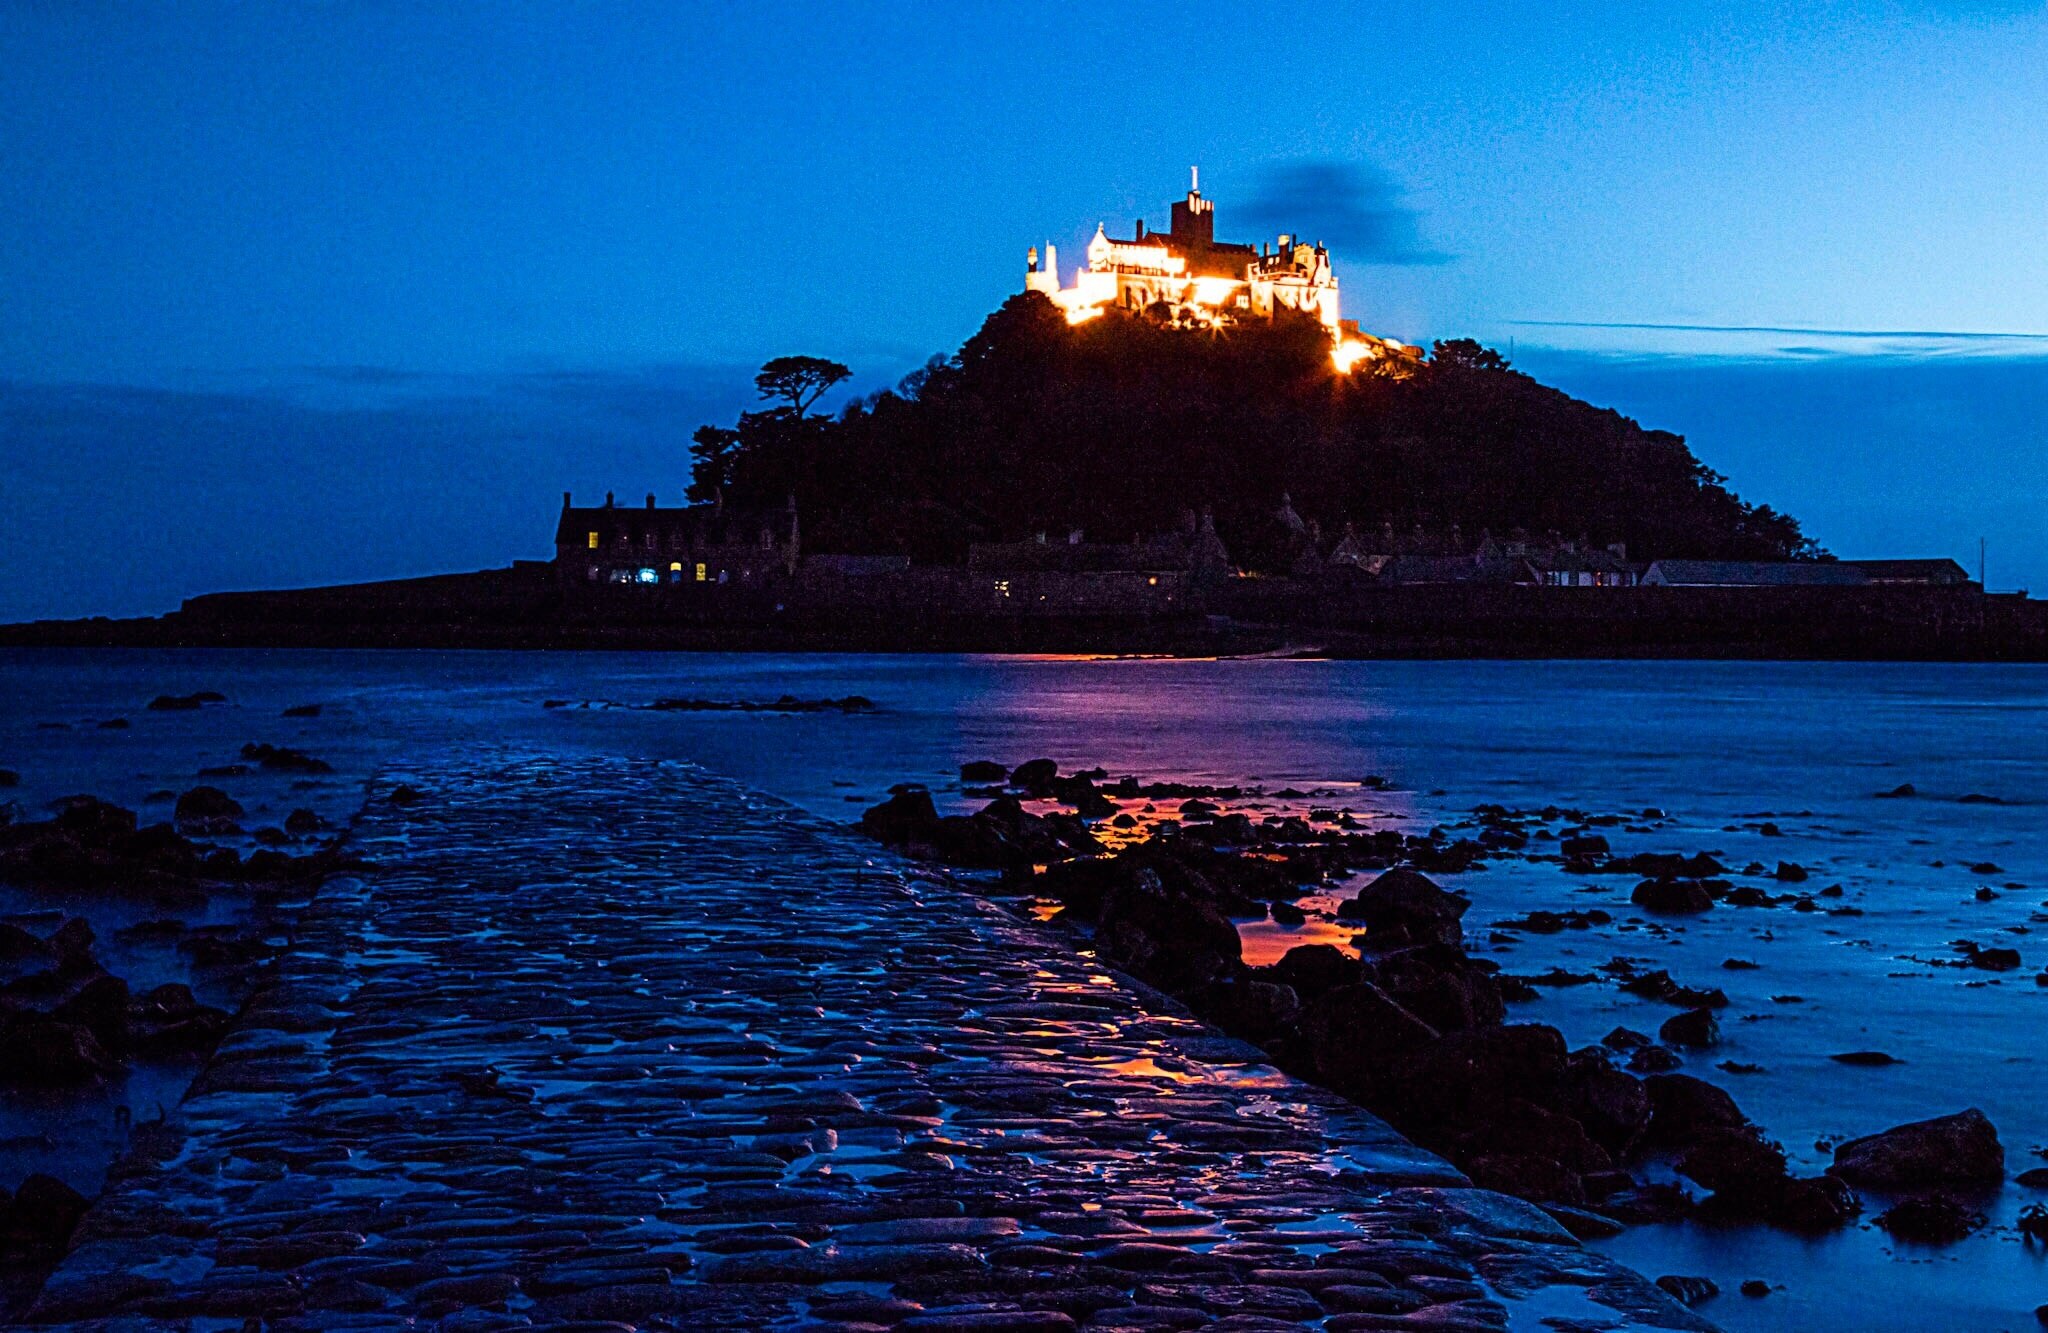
[(799, 381), (1121, 424)]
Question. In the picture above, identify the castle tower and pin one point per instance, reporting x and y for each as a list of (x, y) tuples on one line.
[(1194, 218)]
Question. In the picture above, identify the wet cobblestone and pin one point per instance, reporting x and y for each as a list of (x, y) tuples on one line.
[(604, 1044)]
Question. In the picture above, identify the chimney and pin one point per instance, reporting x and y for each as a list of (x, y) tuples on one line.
[(608, 500), (650, 499), (565, 499)]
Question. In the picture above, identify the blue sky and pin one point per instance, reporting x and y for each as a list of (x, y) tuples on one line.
[(396, 275)]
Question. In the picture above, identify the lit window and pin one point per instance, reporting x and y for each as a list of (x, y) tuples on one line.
[(1152, 582), (1002, 587), (593, 541), (650, 576), (701, 571), (675, 566)]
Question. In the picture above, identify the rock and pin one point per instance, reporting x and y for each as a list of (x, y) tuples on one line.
[(406, 794), (1654, 1060), (1353, 1035), (1471, 1077), (207, 810), (44, 1212), (1672, 897), (1865, 1059), (1790, 872), (2033, 1222), (1756, 1288), (1688, 1291), (1694, 1028), (1995, 960), (1737, 1164), (906, 817), (1254, 1010), (1683, 1109), (1900, 792), (1164, 935), (185, 703), (2034, 1178), (1613, 1107), (983, 771), (1584, 846), (1961, 1150), (1932, 1219), (101, 1007), (1441, 986), (282, 759), (302, 822), (1035, 776), (1288, 914), (1314, 970), (40, 1051), (1403, 907), (303, 710)]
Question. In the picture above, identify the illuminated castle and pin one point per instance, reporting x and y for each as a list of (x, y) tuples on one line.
[(1192, 278)]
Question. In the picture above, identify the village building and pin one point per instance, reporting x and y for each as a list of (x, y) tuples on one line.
[(1919, 573), (1754, 574), (1191, 553), (1186, 275), (697, 545)]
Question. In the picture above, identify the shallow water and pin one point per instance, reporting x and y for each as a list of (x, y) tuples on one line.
[(1722, 747)]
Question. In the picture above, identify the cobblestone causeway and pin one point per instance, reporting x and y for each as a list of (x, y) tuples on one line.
[(600, 1043)]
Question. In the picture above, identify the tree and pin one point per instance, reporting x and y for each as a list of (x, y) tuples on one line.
[(1466, 354), (799, 381), (713, 448)]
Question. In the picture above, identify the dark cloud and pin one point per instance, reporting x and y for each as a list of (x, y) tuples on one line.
[(1356, 210)]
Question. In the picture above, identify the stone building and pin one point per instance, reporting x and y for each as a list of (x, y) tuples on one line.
[(705, 544), (1190, 277)]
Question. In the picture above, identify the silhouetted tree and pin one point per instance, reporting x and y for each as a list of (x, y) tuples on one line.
[(799, 381), (1466, 354), (712, 448)]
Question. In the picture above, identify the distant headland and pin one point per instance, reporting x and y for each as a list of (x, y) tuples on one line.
[(1186, 448)]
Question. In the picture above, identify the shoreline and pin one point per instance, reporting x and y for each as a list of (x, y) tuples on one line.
[(527, 607)]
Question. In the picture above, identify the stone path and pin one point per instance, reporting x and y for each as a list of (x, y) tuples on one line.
[(602, 1043)]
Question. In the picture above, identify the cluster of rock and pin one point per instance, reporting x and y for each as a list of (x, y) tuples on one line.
[(1415, 1029)]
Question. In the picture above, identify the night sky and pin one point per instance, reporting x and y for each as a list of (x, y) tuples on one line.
[(298, 293)]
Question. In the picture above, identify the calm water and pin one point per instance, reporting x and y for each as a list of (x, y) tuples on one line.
[(1722, 747)]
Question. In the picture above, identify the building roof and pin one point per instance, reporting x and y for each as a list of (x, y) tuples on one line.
[(1941, 570), (1755, 573), (695, 525), (1456, 569)]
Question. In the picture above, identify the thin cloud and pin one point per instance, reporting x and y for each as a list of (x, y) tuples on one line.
[(1358, 211), (1945, 335)]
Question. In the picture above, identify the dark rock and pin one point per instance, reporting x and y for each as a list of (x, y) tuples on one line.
[(101, 1007), (282, 759), (1688, 1291), (303, 710), (1960, 1149), (1790, 872), (1613, 1107), (1314, 970), (1900, 792), (1865, 1059), (1735, 1163), (1583, 846), (301, 822), (1931, 1219), (908, 816), (1403, 907), (185, 703), (1654, 1060), (1995, 960), (1035, 776), (1693, 1028), (1354, 1034), (1756, 1288), (1288, 914), (37, 1050), (1441, 986), (983, 771), (1165, 935), (1684, 1109), (44, 1212), (207, 810), (1675, 897)]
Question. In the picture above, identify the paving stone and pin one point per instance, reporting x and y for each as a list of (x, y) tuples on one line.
[(600, 1044)]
